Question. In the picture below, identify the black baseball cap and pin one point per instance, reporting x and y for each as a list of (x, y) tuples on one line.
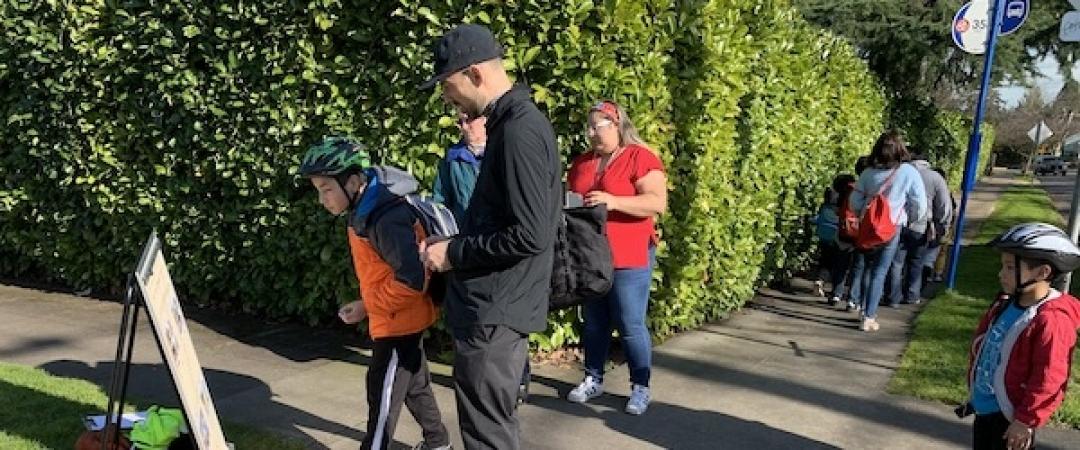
[(461, 47)]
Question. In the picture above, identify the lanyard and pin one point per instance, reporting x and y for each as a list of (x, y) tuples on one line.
[(599, 175)]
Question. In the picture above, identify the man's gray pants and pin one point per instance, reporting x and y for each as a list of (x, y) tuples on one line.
[(488, 365)]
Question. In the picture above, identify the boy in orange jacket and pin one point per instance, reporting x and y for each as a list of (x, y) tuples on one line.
[(384, 237)]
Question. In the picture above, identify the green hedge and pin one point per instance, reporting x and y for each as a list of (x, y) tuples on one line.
[(942, 135), (771, 111), (189, 117)]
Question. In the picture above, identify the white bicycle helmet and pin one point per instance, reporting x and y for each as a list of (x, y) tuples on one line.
[(1040, 241)]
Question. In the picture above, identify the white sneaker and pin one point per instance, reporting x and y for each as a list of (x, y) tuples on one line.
[(639, 400), (869, 324), (852, 306), (587, 390)]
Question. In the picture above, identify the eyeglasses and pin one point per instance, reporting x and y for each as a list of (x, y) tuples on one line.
[(464, 121), (591, 129)]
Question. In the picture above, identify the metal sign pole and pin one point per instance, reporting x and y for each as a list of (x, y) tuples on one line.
[(1074, 211), (1074, 228), (974, 142)]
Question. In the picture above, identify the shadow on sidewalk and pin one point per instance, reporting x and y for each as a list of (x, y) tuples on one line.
[(293, 341), (672, 426), (824, 319), (151, 384), (799, 351), (882, 410), (31, 345)]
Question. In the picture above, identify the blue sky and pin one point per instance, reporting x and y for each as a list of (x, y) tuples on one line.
[(1050, 83)]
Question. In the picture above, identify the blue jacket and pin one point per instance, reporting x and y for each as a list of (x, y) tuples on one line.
[(455, 179), (907, 195)]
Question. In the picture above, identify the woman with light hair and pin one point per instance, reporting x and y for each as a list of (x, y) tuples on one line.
[(621, 172)]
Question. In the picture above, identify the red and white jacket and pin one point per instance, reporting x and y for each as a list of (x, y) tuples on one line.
[(1038, 349)]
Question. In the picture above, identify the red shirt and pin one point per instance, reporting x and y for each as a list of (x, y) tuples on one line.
[(628, 235)]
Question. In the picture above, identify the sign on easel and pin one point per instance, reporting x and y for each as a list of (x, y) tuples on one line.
[(171, 331)]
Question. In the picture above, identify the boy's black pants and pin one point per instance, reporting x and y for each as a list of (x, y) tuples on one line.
[(399, 374), (990, 432)]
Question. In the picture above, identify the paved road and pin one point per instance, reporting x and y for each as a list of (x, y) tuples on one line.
[(1060, 189)]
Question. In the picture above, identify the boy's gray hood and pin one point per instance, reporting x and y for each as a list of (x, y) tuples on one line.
[(396, 181)]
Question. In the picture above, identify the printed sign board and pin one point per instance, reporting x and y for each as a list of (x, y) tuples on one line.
[(971, 26), (171, 331)]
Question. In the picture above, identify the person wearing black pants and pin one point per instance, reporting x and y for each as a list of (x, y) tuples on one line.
[(990, 432), (495, 355), (455, 180), (385, 241), (500, 264), (398, 375)]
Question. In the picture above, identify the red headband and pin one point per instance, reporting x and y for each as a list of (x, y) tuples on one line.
[(608, 109)]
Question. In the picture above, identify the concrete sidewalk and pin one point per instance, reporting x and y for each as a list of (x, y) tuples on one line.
[(981, 202), (786, 373)]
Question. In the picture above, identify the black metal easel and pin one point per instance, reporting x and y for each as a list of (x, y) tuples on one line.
[(125, 346)]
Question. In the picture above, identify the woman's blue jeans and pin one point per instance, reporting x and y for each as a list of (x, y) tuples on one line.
[(624, 308), (875, 270)]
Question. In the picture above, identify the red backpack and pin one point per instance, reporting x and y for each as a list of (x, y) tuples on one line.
[(876, 227), (849, 221)]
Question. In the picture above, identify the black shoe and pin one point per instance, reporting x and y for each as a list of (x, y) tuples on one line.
[(424, 446)]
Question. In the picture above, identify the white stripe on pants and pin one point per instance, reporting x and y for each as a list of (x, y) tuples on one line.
[(384, 404)]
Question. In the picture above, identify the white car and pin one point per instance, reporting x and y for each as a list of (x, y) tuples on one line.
[(1047, 164)]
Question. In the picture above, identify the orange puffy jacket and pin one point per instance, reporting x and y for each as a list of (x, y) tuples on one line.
[(384, 238)]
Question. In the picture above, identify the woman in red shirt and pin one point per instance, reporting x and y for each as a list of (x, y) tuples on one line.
[(621, 172)]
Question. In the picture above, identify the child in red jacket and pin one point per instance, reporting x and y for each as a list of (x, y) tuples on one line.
[(1021, 353)]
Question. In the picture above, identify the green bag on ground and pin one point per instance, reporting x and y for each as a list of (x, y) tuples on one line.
[(161, 427)]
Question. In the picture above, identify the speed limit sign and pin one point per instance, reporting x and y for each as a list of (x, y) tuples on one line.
[(971, 26)]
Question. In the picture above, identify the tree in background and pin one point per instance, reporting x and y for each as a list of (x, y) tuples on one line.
[(908, 45), (1013, 144), (1065, 110)]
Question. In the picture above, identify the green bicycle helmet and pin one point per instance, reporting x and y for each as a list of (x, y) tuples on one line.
[(333, 156)]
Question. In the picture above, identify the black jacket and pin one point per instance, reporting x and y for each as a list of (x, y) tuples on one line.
[(383, 218), (501, 262)]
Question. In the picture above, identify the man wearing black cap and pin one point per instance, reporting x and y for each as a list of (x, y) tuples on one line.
[(500, 264)]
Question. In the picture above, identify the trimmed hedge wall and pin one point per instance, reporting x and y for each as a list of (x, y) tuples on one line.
[(190, 117), (942, 135)]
